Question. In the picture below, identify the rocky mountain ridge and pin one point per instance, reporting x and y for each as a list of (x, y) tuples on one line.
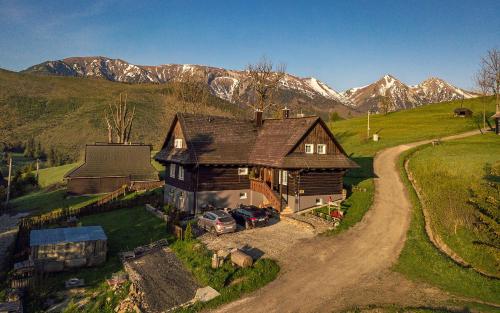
[(232, 85)]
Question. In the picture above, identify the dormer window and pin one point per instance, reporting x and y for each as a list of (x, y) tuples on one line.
[(321, 148), (309, 149), (178, 143)]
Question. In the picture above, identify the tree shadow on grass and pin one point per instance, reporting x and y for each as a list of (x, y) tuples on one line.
[(357, 175)]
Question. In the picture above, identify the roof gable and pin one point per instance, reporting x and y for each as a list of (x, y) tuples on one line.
[(223, 140), (320, 128)]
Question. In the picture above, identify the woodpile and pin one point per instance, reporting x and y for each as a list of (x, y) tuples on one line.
[(241, 259)]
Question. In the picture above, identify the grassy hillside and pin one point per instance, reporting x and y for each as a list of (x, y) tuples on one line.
[(67, 112), (448, 193), (420, 260), (425, 122)]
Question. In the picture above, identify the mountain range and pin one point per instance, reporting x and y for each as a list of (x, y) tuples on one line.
[(233, 85)]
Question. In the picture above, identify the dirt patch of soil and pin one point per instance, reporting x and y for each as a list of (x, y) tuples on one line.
[(161, 280)]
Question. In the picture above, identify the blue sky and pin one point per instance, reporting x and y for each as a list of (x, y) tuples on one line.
[(344, 43)]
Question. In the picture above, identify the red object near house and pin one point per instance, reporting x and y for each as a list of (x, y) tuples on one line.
[(337, 214)]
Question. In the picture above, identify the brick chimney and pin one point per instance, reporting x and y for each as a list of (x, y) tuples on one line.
[(285, 113), (258, 118)]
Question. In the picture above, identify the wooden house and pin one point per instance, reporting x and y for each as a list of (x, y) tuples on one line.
[(462, 112), (289, 163), (108, 167), (57, 249)]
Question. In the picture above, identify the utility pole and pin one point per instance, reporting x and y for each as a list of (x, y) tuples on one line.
[(368, 126), (484, 114), (37, 168), (9, 181)]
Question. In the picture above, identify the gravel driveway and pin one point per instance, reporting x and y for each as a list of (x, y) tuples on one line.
[(274, 240)]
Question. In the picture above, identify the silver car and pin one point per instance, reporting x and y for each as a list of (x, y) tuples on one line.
[(217, 222)]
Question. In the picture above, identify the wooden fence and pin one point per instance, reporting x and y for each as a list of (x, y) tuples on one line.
[(136, 186)]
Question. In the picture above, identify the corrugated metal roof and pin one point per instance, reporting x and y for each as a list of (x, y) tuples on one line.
[(49, 236)]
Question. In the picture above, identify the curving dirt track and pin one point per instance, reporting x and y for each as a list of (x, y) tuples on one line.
[(325, 274)]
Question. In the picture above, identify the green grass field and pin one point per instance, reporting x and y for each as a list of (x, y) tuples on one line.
[(421, 261), (425, 122), (54, 175), (446, 175), (46, 200)]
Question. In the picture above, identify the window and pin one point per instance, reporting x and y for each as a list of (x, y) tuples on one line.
[(319, 201), (321, 148), (178, 143), (243, 195), (172, 170), (283, 177), (243, 171), (309, 148), (181, 172)]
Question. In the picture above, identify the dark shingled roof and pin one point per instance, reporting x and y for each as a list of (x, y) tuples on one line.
[(223, 140), (40, 237), (116, 160)]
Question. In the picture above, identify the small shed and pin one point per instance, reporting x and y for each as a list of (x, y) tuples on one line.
[(108, 167), (57, 249), (496, 118), (462, 112)]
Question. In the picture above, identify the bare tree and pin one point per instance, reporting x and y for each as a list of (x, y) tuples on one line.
[(192, 92), (119, 121), (489, 75), (482, 82), (264, 80)]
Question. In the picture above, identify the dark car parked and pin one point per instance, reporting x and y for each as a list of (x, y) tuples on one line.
[(250, 216)]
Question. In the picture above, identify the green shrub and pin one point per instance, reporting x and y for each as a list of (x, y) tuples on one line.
[(188, 233)]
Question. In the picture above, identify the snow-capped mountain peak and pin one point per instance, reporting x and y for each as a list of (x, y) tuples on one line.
[(402, 96), (232, 85)]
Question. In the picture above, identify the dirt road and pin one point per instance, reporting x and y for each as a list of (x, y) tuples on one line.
[(324, 274)]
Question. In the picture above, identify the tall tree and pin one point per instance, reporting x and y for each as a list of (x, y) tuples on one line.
[(192, 91), (482, 82), (264, 80), (489, 74), (119, 120)]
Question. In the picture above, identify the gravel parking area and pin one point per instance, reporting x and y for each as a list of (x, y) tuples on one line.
[(272, 241)]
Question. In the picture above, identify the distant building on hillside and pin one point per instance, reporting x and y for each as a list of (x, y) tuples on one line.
[(57, 249), (108, 167), (462, 112), (496, 117)]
